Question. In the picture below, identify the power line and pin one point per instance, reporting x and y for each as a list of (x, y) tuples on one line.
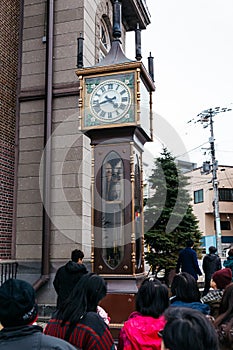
[(180, 155)]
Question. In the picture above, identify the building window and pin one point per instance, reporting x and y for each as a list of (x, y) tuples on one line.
[(225, 194), (198, 196), (105, 43), (225, 225)]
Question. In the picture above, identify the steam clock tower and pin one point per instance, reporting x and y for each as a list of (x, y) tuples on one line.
[(116, 114)]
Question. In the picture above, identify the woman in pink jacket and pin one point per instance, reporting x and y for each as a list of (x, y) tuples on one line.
[(140, 331)]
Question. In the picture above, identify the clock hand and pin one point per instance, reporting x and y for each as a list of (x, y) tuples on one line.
[(115, 104), (108, 99)]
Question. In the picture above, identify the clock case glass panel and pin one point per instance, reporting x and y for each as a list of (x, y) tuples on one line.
[(145, 110), (113, 209), (118, 209), (120, 105)]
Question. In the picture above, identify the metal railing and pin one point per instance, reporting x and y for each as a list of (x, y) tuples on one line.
[(8, 269)]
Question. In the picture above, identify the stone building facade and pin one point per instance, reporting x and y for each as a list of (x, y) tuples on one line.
[(51, 212)]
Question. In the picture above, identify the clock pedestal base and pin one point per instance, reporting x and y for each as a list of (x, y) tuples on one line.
[(120, 300)]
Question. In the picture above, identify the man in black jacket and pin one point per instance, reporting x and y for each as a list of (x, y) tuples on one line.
[(187, 260), (211, 263), (18, 312), (68, 275)]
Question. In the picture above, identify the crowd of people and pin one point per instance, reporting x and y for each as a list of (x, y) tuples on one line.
[(176, 318)]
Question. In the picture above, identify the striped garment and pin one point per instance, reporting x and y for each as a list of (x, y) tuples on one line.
[(90, 333)]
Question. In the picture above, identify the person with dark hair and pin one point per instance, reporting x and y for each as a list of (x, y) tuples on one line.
[(77, 320), (229, 262), (68, 275), (211, 263), (185, 293), (18, 313), (187, 261), (224, 322), (220, 280), (140, 331), (185, 330)]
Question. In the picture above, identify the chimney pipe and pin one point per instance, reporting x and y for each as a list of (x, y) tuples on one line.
[(116, 19), (80, 51), (151, 66), (138, 43)]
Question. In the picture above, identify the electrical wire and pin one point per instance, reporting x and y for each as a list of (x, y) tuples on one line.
[(180, 155)]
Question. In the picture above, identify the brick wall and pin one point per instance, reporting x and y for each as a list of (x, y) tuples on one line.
[(9, 18)]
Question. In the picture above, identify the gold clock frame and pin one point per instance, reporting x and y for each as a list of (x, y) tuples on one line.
[(141, 76)]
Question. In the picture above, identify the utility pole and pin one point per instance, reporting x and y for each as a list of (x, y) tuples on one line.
[(207, 116)]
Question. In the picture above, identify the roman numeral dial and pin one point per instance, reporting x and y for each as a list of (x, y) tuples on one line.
[(110, 100)]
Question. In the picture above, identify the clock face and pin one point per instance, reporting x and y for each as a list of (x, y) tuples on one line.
[(110, 100)]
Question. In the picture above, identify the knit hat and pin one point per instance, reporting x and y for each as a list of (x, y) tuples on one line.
[(222, 278), (17, 303)]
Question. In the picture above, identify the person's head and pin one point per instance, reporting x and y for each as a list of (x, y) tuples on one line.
[(189, 243), (185, 288), (77, 256), (221, 278), (152, 298), (226, 306), (212, 249), (230, 252), (188, 330), (85, 296), (226, 317), (17, 303)]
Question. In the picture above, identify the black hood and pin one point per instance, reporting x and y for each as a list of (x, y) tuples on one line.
[(73, 267), (12, 332), (211, 257)]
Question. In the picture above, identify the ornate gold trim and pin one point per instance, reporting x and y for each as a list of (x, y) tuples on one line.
[(132, 276), (132, 178), (116, 325), (80, 101), (116, 275), (92, 208), (142, 212), (138, 96), (105, 126), (126, 66)]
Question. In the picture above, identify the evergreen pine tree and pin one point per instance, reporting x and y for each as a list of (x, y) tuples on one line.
[(169, 218)]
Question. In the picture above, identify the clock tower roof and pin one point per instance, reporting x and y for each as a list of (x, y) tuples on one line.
[(115, 55)]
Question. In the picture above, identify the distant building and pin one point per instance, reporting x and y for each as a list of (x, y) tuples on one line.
[(202, 194), (185, 166)]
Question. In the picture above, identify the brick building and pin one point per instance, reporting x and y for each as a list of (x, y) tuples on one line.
[(9, 48)]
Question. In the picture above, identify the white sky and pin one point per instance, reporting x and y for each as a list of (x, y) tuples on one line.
[(192, 45)]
